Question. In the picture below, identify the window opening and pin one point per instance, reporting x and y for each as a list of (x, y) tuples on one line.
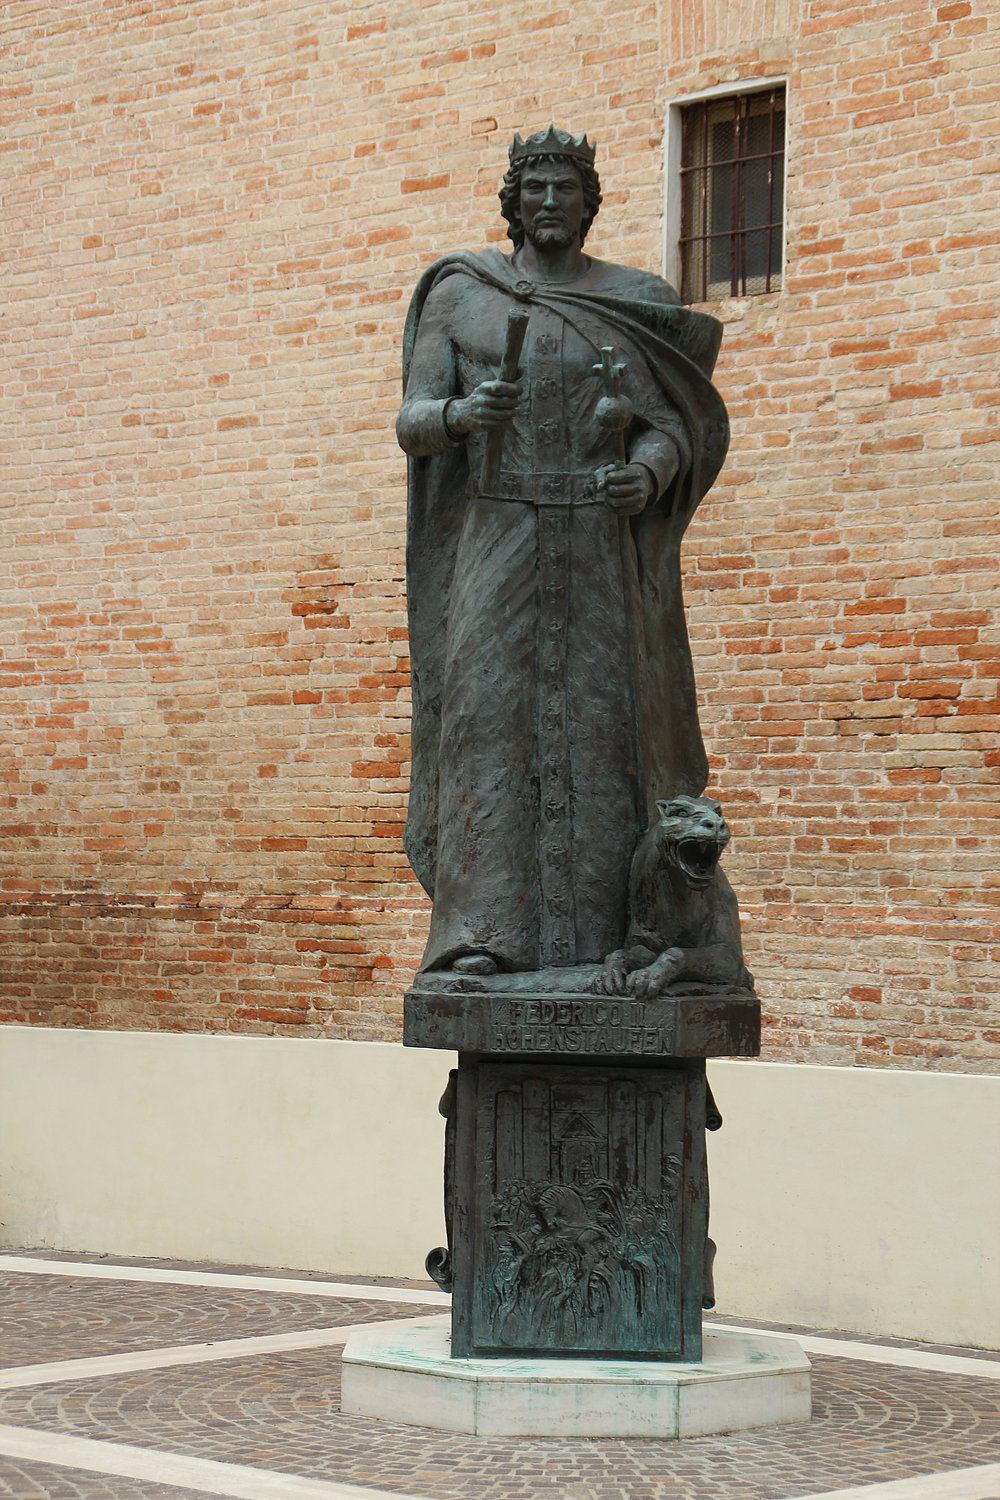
[(732, 195)]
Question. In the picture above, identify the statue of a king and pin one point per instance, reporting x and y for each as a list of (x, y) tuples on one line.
[(561, 427)]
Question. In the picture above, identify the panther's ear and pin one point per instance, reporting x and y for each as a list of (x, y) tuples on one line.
[(663, 808)]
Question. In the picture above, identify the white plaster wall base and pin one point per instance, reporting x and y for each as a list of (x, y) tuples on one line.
[(404, 1373)]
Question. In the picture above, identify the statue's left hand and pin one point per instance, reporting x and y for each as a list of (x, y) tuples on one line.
[(629, 489)]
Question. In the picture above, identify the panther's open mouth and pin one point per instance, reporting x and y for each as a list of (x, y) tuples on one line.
[(698, 859)]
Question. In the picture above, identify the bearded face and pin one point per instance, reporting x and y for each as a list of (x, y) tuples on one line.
[(510, 193), (552, 204), (556, 236)]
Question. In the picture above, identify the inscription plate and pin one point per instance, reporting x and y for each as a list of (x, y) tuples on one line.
[(509, 1022), (591, 1027)]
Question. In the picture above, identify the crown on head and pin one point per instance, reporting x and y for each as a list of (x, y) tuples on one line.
[(552, 142)]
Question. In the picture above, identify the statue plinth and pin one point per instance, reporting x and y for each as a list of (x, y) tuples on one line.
[(576, 1188), (554, 1013)]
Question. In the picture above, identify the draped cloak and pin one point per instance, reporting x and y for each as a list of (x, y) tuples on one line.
[(553, 690)]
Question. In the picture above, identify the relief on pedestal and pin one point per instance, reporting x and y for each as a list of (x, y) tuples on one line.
[(576, 1256), (580, 1221)]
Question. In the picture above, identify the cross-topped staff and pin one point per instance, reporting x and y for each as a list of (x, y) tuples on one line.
[(614, 411)]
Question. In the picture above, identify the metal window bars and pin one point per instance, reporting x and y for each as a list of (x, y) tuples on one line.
[(732, 195)]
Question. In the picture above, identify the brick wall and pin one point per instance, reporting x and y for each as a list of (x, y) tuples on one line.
[(213, 216)]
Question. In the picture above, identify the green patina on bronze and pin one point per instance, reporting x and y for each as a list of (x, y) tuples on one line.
[(584, 955)]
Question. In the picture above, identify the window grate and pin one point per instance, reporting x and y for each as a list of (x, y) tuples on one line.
[(732, 195)]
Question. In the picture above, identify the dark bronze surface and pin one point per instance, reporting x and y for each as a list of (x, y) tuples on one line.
[(514, 1022), (580, 1211), (584, 955), (553, 691)]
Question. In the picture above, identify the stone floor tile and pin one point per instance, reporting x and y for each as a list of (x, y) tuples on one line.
[(225, 1268), (52, 1317), (871, 1423), (36, 1481)]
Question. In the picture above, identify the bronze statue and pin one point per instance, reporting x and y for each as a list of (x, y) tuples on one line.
[(562, 428)]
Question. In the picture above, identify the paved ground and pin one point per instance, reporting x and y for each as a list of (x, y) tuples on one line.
[(60, 1317), (149, 1380)]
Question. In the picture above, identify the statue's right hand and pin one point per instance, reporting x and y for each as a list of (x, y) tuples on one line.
[(490, 405)]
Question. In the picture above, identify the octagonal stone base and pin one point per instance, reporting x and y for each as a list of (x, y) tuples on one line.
[(404, 1373)]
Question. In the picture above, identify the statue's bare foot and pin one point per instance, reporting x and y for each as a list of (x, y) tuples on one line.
[(475, 963)]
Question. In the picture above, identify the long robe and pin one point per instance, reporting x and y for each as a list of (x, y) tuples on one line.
[(554, 697)]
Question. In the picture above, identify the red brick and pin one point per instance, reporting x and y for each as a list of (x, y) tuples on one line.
[(207, 512)]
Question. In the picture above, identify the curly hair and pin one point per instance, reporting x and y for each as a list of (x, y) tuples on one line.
[(510, 195)]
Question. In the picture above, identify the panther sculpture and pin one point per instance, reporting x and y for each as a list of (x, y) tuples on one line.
[(684, 924)]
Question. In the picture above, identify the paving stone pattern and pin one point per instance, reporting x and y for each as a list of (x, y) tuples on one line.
[(224, 1268), (871, 1423), (424, 1285), (56, 1317), (793, 1330), (34, 1481)]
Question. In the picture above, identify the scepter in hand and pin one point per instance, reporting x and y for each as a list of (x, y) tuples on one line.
[(517, 323), (614, 411)]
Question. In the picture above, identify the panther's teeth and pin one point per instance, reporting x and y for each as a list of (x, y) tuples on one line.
[(698, 857)]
